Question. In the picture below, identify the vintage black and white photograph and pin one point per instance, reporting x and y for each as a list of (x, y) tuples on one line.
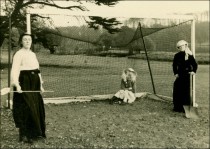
[(104, 74)]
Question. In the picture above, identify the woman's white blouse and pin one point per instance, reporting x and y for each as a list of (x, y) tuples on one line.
[(23, 60)]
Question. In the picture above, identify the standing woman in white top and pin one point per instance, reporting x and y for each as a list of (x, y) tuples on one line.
[(28, 107)]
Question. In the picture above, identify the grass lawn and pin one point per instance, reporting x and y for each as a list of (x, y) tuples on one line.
[(146, 123)]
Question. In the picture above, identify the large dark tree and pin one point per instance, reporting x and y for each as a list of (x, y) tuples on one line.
[(17, 10)]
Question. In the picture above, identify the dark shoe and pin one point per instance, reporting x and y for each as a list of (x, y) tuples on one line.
[(44, 136), (111, 101), (179, 110), (21, 135), (29, 140), (123, 103), (21, 138), (40, 138), (114, 100)]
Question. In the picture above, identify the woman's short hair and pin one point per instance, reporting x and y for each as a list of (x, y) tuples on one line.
[(132, 73), (21, 37)]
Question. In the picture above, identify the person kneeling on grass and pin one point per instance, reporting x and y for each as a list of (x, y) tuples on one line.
[(126, 94)]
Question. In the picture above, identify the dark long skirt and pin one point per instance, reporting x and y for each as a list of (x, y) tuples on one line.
[(181, 93), (28, 107)]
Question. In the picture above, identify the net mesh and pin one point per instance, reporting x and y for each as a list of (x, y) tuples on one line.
[(80, 61)]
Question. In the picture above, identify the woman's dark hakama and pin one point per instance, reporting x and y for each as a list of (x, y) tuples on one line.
[(181, 93), (28, 107), (181, 89)]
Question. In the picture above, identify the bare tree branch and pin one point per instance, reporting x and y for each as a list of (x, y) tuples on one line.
[(11, 1), (36, 15), (54, 5), (106, 2)]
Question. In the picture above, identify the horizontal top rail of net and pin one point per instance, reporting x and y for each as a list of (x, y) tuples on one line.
[(160, 16)]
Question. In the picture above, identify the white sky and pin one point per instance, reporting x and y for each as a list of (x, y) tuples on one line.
[(153, 7), (135, 8)]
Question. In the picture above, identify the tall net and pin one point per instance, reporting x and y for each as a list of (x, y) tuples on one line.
[(80, 61)]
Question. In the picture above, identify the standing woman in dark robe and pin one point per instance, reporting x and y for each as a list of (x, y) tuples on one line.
[(28, 107), (184, 65)]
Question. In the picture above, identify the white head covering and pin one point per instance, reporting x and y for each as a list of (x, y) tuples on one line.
[(181, 43), (187, 50)]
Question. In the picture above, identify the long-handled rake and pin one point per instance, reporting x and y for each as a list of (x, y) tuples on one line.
[(7, 90)]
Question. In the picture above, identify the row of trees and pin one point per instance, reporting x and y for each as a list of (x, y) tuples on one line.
[(158, 37), (16, 9), (76, 38)]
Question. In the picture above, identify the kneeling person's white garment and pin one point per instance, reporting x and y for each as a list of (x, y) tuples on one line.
[(126, 95)]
